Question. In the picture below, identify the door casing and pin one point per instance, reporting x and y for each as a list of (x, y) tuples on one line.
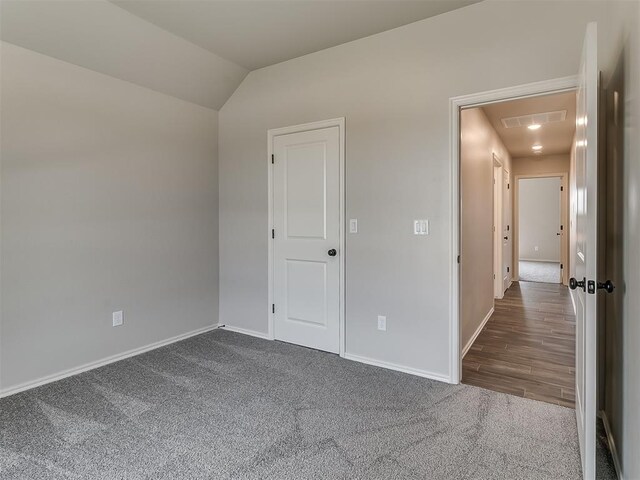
[(271, 134), (456, 104)]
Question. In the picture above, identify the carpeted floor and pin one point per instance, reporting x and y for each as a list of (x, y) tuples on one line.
[(544, 272), (223, 405)]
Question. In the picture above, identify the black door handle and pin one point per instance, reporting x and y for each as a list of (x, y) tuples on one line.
[(506, 238), (608, 286), (573, 284), (332, 252)]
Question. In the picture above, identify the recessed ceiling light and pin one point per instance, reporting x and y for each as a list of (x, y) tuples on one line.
[(536, 148), (534, 126)]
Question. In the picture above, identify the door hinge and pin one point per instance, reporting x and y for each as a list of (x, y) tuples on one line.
[(458, 258), (273, 308), (273, 159), (561, 266), (561, 188), (507, 269), (494, 276), (561, 227), (273, 233), (508, 186), (507, 228)]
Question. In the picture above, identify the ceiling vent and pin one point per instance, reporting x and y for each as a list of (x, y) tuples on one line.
[(535, 118)]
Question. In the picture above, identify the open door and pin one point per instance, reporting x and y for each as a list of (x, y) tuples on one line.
[(584, 286)]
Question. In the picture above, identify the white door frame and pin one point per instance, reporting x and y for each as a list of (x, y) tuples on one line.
[(564, 214), (305, 127), (535, 89)]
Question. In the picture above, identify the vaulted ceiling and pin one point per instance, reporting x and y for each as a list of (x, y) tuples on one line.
[(198, 50)]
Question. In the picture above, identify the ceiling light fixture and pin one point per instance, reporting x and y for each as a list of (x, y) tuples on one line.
[(534, 126), (536, 148)]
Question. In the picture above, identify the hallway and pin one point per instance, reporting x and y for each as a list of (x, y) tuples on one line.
[(527, 348)]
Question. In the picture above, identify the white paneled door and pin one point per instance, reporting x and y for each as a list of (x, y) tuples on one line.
[(306, 238), (507, 252), (583, 285)]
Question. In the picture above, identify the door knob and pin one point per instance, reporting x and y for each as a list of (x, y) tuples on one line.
[(573, 284), (608, 286), (332, 252), (506, 238)]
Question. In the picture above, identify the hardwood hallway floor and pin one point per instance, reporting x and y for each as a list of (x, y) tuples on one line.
[(527, 348)]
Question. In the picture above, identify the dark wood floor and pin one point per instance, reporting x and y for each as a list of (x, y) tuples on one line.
[(527, 348)]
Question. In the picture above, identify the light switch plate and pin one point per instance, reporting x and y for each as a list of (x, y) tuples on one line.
[(353, 225), (118, 318), (382, 322), (421, 227)]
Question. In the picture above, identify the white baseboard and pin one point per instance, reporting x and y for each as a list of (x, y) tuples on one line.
[(246, 331), (99, 363), (612, 445), (398, 368), (466, 348)]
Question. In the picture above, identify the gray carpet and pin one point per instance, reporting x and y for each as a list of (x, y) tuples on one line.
[(545, 272), (223, 405)]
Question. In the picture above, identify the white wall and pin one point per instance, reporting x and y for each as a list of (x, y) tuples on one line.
[(478, 142), (109, 202), (539, 219), (394, 90)]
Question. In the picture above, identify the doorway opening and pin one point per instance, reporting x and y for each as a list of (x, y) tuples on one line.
[(541, 221), (518, 331)]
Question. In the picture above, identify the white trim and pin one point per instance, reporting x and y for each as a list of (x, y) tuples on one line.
[(305, 127), (246, 331), (612, 445), (455, 104), (398, 368), (573, 303), (466, 348), (100, 363)]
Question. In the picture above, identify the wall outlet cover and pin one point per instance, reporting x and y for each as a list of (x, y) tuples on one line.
[(382, 323), (118, 318), (353, 225)]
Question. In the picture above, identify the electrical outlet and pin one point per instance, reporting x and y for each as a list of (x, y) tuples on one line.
[(382, 323), (118, 318), (353, 225)]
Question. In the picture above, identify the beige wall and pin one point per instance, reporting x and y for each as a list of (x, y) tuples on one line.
[(393, 89), (536, 166), (478, 142), (109, 202)]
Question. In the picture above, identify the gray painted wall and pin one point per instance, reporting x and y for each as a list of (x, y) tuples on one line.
[(478, 142), (539, 219), (394, 90), (109, 202), (623, 47)]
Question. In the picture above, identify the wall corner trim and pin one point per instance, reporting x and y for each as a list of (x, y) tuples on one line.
[(466, 348), (398, 368), (100, 363)]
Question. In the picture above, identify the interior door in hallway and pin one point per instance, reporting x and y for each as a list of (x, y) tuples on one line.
[(586, 257), (306, 220), (507, 252)]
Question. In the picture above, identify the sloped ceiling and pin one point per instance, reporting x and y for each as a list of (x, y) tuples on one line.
[(257, 33), (198, 50), (101, 36)]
